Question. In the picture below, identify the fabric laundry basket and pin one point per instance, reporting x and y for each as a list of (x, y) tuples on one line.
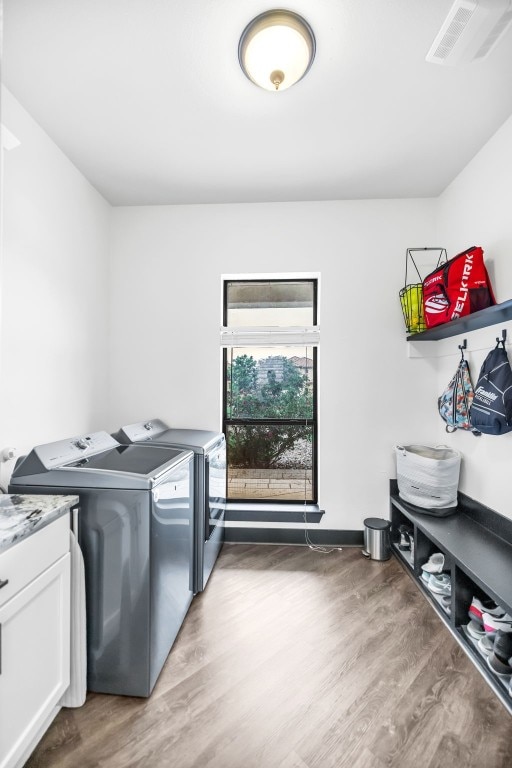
[(428, 477)]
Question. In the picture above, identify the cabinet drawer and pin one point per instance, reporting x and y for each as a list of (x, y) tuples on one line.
[(23, 562)]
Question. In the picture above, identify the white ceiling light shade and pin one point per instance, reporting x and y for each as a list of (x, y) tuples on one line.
[(276, 49)]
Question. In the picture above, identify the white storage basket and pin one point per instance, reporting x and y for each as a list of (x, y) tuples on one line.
[(428, 477)]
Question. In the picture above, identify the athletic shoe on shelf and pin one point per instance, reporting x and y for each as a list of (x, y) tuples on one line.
[(446, 603), (405, 538), (434, 564), (475, 630), (488, 660), (440, 584), (486, 644), (498, 667), (493, 623), (479, 607), (501, 659), (425, 577)]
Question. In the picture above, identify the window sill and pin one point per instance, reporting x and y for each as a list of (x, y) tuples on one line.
[(272, 513)]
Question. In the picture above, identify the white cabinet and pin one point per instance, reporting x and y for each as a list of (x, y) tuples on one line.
[(34, 638)]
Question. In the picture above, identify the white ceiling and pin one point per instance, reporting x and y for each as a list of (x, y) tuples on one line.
[(147, 99)]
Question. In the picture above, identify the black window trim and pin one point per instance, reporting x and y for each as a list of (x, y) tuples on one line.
[(313, 422)]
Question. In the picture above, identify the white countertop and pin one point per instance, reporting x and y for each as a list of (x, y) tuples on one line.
[(22, 515)]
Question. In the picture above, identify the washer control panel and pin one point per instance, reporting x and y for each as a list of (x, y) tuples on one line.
[(63, 452), (144, 430)]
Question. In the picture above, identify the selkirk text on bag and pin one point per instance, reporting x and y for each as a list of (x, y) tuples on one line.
[(457, 288)]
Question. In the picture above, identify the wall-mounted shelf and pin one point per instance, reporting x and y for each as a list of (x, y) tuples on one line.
[(500, 313)]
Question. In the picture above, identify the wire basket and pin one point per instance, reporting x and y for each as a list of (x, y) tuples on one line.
[(411, 295), (411, 299)]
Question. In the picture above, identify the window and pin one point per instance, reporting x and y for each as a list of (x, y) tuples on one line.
[(269, 340)]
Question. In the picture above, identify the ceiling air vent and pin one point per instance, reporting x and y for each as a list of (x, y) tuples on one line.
[(470, 31)]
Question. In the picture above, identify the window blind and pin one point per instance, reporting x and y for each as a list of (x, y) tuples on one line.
[(266, 336)]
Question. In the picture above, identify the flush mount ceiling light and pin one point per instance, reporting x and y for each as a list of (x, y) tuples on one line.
[(276, 49)]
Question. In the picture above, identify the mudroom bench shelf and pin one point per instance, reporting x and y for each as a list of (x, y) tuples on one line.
[(500, 313), (477, 546)]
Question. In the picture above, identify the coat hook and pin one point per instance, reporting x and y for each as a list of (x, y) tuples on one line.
[(462, 347), (503, 337)]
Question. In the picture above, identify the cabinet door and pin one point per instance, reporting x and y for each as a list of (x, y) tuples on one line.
[(34, 659)]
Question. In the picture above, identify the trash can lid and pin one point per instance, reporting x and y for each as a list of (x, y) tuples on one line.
[(377, 523)]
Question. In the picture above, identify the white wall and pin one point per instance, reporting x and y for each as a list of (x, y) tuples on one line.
[(164, 357), (54, 283), (476, 209), (167, 263)]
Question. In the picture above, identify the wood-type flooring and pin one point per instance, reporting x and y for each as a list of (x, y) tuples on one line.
[(296, 659)]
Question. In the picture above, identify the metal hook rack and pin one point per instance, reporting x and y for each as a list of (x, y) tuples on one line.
[(462, 347), (503, 337)]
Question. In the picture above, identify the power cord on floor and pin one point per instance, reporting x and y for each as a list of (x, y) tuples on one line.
[(317, 547), (314, 547)]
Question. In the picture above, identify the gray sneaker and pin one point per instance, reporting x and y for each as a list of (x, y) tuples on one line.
[(440, 583)]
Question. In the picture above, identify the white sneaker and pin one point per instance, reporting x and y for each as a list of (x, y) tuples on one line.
[(475, 630), (486, 645), (493, 623), (434, 564), (479, 607)]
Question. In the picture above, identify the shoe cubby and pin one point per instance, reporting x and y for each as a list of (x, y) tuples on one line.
[(476, 547), (476, 640), (439, 592)]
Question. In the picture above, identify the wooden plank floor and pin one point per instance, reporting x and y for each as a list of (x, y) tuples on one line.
[(297, 659)]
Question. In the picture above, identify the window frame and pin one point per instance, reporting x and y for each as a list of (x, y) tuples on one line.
[(265, 340)]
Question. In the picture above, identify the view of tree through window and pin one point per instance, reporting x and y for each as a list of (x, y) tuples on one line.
[(269, 399)]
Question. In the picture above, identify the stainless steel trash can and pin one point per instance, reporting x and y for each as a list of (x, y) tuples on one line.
[(377, 545)]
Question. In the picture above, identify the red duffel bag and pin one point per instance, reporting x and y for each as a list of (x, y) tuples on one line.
[(457, 288)]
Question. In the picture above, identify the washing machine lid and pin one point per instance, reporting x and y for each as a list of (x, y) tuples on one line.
[(156, 432), (97, 461), (130, 458)]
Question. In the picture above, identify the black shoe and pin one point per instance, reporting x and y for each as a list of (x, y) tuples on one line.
[(501, 658), (405, 537)]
